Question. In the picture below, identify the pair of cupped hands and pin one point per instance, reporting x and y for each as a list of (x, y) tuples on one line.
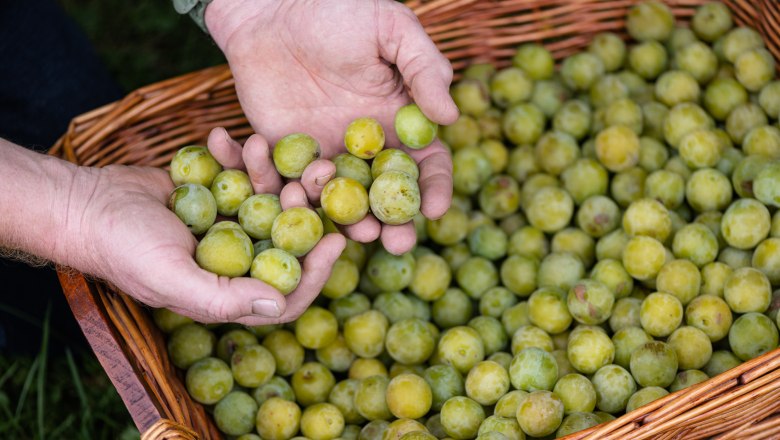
[(299, 66)]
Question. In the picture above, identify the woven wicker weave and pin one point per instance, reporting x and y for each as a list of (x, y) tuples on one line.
[(150, 124)]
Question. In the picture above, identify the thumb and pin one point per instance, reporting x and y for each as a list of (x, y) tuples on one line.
[(424, 69), (209, 298)]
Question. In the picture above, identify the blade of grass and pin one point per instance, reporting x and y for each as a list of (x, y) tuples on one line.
[(28, 381), (57, 432), (8, 373), (42, 372), (26, 387), (86, 410), (10, 421)]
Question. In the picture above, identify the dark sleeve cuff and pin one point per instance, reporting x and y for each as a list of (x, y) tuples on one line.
[(196, 9)]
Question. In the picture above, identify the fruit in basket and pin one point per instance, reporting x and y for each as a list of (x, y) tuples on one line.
[(536, 60), (408, 396), (252, 365), (745, 223), (576, 392), (754, 69), (590, 302), (747, 290), (576, 422), (540, 413), (461, 417), (523, 123), (168, 320), (645, 396), (195, 206), (763, 141), (322, 421), (660, 155), (711, 21), (650, 20), (654, 364), (288, 353), (510, 86), (581, 70), (278, 419), (617, 148), (533, 369), (471, 96), (648, 59), (209, 380), (277, 386), (677, 87), (190, 343), (692, 346), (752, 335), (487, 382), (312, 383), (740, 40), (232, 340), (194, 164), (235, 413), (614, 386)]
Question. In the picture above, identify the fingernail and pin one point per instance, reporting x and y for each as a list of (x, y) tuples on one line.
[(322, 180), (266, 307), (227, 136)]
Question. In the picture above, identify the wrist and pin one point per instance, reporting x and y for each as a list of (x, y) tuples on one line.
[(72, 245), (224, 17), (37, 197)]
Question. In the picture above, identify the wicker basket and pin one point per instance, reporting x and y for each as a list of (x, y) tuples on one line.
[(150, 124)]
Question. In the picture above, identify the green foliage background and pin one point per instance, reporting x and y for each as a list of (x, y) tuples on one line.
[(143, 41)]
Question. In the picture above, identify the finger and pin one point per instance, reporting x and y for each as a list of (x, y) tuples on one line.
[(207, 297), (364, 231), (260, 166), (399, 239), (225, 149), (317, 267), (424, 69), (293, 195), (435, 180), (315, 176)]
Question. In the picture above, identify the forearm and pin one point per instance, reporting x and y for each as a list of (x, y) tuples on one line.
[(35, 198)]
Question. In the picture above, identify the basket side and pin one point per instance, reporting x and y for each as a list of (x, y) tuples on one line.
[(150, 124), (469, 31)]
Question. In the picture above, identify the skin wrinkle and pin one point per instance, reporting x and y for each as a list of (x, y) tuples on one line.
[(60, 247), (315, 78)]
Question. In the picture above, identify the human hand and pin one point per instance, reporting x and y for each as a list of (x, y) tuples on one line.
[(316, 66), (122, 231)]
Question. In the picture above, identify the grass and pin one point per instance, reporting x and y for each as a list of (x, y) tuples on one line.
[(66, 396)]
